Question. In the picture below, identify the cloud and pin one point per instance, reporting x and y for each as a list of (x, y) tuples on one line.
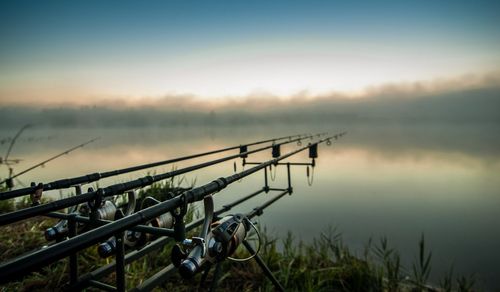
[(472, 98), (77, 96)]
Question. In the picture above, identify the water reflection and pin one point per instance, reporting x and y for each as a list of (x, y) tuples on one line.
[(440, 180)]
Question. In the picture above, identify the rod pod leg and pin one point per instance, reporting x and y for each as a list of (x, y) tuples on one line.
[(120, 262), (204, 277), (264, 267), (73, 257), (216, 277)]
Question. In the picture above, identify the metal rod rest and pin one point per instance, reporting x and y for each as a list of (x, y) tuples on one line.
[(120, 262), (264, 267), (291, 163), (99, 222), (102, 286)]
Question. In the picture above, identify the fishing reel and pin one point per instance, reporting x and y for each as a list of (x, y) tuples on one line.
[(217, 242), (57, 232), (137, 239), (105, 210), (60, 230)]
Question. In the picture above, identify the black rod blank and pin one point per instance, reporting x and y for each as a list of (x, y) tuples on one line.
[(88, 178)]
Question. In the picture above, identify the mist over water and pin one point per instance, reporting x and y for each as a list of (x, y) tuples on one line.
[(380, 179)]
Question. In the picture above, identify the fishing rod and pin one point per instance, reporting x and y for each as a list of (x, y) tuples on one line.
[(21, 265), (88, 178), (121, 188), (46, 161), (8, 161), (6, 158)]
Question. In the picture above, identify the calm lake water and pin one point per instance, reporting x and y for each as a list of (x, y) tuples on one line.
[(378, 180)]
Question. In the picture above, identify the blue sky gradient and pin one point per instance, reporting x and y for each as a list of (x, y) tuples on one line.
[(234, 48)]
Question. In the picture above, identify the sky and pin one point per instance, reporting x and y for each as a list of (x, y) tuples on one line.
[(85, 51)]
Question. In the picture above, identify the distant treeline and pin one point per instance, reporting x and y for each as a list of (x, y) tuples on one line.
[(476, 105)]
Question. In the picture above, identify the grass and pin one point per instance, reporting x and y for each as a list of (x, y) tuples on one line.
[(326, 264)]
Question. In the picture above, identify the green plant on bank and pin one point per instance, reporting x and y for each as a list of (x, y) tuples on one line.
[(14, 204), (421, 266), (465, 283), (446, 282), (390, 263), (325, 264), (5, 205), (11, 205)]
